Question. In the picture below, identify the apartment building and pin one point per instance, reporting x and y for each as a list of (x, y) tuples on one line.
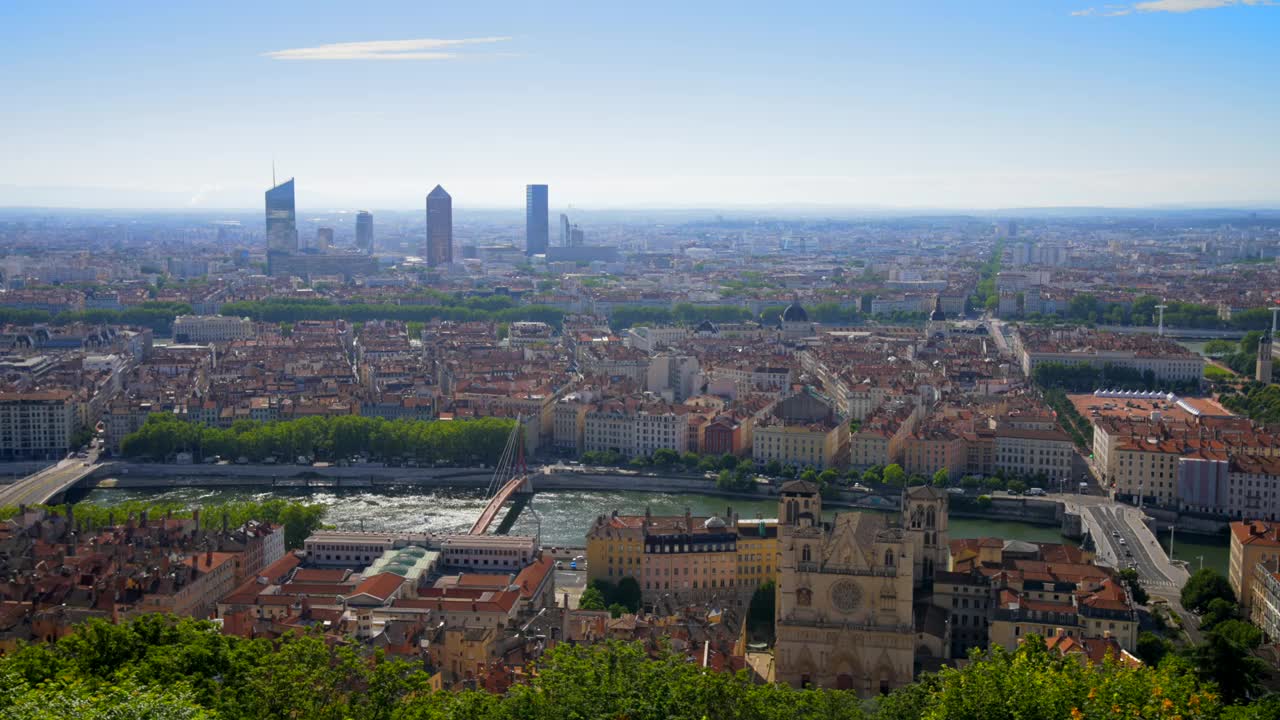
[(683, 559), (36, 425), (1253, 543), (1166, 359), (211, 328)]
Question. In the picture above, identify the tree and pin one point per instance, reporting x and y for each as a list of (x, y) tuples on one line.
[(1203, 586), (871, 476), (772, 468), (628, 594), (893, 474), (617, 610), (809, 475), (1223, 661), (1152, 648), (828, 477), (1017, 487), (1129, 577), (942, 478), (761, 610), (1219, 610), (591, 599), (665, 457)]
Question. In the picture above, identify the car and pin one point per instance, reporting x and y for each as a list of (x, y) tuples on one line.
[(1035, 492), (956, 491), (1115, 533), (580, 558), (1122, 542), (559, 564), (573, 564)]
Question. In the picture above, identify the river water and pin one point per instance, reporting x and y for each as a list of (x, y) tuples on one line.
[(564, 516)]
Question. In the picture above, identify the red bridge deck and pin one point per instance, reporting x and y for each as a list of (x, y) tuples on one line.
[(496, 502)]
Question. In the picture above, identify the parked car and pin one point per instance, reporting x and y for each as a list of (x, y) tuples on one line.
[(956, 491), (573, 565), (1036, 492)]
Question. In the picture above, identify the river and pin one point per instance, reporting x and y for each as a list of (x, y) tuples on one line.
[(565, 515)]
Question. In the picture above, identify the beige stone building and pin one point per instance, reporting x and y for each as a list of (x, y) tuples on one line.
[(802, 430), (844, 613), (1252, 543)]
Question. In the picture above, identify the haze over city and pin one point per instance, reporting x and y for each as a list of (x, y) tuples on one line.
[(846, 105)]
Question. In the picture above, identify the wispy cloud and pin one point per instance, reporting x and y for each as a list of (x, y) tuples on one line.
[(420, 49), (1169, 6)]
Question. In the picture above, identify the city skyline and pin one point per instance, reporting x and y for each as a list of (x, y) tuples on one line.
[(968, 105)]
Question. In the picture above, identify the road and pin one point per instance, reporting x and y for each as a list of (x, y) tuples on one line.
[(40, 487)]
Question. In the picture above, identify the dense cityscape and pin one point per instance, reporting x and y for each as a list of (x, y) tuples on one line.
[(880, 361)]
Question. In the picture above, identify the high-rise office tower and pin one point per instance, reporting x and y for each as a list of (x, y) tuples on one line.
[(564, 230), (537, 226), (439, 249), (364, 232), (324, 238), (282, 227)]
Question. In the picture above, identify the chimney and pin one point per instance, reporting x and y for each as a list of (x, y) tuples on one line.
[(111, 518), (195, 517), (208, 557), (688, 520), (142, 519)]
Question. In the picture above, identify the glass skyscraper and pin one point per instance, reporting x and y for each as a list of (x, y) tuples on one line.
[(282, 227), (537, 226), (439, 249), (364, 232)]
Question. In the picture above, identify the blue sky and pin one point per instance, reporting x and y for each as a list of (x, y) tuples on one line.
[(965, 104)]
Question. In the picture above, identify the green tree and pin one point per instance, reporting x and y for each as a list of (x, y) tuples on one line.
[(1152, 648), (893, 474), (761, 610), (591, 599), (941, 478), (628, 594), (1223, 660), (1129, 577), (1202, 587), (1218, 610)]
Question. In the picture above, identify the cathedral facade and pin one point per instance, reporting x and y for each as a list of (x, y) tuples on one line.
[(846, 588)]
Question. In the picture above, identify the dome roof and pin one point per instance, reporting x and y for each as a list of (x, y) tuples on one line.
[(714, 523), (795, 313)]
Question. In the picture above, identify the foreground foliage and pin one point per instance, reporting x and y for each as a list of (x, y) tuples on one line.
[(159, 667)]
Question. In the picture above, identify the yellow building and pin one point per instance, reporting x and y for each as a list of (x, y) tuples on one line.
[(1251, 543), (803, 429), (683, 558)]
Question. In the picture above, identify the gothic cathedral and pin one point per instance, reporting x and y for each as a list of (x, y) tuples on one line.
[(846, 588)]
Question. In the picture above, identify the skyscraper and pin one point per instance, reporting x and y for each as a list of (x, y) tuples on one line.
[(364, 232), (282, 227), (324, 239), (564, 230), (439, 249), (537, 226)]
